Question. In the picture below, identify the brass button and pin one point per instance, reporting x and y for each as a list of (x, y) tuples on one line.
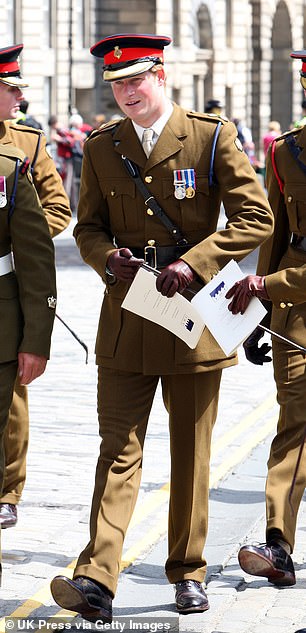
[(151, 242), (150, 212), (289, 198), (289, 305), (113, 193), (148, 178), (282, 304)]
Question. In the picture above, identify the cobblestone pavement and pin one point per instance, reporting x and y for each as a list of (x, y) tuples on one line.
[(53, 514)]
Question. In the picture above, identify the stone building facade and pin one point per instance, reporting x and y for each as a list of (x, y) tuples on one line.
[(233, 50)]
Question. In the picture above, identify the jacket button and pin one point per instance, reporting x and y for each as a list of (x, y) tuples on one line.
[(282, 304), (113, 193), (150, 212), (289, 305), (289, 198), (148, 178)]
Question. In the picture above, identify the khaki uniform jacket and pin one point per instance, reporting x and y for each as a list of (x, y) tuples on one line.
[(25, 316), (111, 208), (47, 180), (284, 264)]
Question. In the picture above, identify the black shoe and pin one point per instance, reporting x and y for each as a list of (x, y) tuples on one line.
[(84, 596), (8, 515), (190, 596), (269, 560)]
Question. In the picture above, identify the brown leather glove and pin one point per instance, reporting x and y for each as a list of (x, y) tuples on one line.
[(123, 265), (174, 278), (255, 354), (243, 291)]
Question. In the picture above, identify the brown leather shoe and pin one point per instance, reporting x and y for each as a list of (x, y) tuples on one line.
[(190, 596), (83, 596), (8, 515), (269, 560)]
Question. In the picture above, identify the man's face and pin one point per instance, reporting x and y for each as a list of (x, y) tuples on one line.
[(10, 97), (142, 98)]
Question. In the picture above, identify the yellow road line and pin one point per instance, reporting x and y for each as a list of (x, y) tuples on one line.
[(237, 455), (157, 498), (246, 422)]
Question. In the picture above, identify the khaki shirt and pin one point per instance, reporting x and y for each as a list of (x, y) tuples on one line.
[(26, 316), (46, 178), (111, 209)]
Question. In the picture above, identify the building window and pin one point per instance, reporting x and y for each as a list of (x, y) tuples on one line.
[(10, 8), (176, 22), (82, 23), (228, 22), (46, 35)]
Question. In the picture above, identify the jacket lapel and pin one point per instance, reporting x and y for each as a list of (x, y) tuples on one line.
[(170, 140)]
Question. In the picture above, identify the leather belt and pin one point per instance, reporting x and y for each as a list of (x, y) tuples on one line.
[(159, 256), (6, 264), (298, 241)]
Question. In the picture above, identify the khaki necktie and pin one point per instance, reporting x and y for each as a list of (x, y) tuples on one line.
[(147, 141)]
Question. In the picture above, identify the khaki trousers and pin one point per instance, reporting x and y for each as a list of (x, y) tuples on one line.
[(16, 440), (124, 404), (290, 377), (7, 378)]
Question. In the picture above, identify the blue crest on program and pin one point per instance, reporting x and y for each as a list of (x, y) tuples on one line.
[(188, 323), (214, 293)]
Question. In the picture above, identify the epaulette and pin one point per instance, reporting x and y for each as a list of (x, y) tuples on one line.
[(207, 116), (106, 127), (11, 151), (27, 129), (294, 131)]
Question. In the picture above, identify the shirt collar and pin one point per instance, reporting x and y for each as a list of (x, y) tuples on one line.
[(158, 125)]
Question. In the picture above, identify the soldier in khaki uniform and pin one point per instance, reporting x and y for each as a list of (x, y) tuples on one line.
[(27, 289), (56, 208), (281, 281), (116, 230)]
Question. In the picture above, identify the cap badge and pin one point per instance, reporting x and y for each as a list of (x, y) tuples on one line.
[(117, 52)]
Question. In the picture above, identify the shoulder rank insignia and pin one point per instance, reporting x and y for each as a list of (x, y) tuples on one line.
[(51, 302)]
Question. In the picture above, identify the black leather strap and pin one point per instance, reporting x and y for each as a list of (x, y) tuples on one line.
[(160, 256), (152, 203)]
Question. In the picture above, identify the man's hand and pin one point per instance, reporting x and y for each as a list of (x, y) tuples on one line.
[(30, 366), (255, 354), (243, 291), (123, 264), (174, 278)]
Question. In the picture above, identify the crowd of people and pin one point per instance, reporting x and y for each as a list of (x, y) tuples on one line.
[(192, 163)]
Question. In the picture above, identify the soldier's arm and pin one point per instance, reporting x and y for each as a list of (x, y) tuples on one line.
[(50, 189), (35, 269)]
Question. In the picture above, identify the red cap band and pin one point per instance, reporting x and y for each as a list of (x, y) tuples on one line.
[(304, 67), (119, 55), (7, 67)]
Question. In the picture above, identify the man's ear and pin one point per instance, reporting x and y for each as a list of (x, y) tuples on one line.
[(161, 76)]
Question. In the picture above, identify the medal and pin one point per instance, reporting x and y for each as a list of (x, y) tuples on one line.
[(179, 192), (190, 192), (184, 183), (3, 198)]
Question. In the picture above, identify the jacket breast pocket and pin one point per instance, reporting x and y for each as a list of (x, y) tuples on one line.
[(193, 207), (295, 198), (120, 194)]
